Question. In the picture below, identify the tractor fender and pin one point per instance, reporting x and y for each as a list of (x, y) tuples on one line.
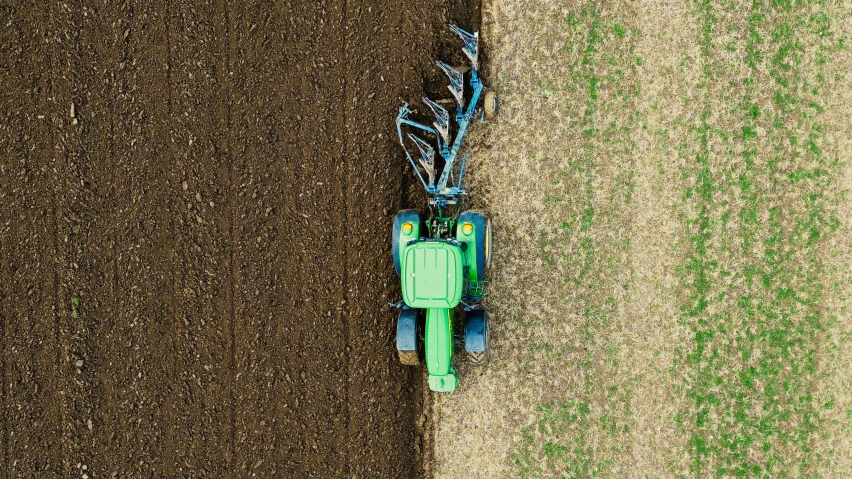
[(404, 216), (477, 249)]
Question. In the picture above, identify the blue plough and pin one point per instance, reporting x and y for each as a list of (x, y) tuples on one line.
[(444, 192)]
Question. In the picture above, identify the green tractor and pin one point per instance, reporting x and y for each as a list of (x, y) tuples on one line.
[(442, 260)]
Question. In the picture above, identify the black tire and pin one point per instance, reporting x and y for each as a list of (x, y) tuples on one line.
[(401, 218), (477, 335), (408, 344), (482, 228), (409, 358), (478, 359)]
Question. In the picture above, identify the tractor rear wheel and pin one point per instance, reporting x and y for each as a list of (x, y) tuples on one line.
[(477, 337), (409, 358), (478, 359), (408, 337)]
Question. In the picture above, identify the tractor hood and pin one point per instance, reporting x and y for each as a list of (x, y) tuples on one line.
[(432, 275)]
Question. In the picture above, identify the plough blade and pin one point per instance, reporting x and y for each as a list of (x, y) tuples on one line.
[(471, 45), (427, 156), (456, 85), (400, 119), (442, 119)]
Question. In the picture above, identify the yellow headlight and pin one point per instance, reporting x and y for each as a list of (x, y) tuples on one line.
[(407, 227), (467, 228)]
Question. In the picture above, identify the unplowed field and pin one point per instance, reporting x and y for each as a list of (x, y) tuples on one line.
[(670, 183), (195, 204)]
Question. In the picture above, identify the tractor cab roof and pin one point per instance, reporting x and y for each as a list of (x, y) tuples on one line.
[(432, 274)]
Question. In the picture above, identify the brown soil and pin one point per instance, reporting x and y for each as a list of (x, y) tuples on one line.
[(195, 211)]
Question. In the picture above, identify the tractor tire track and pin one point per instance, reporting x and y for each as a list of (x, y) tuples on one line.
[(289, 333), (32, 399), (91, 246), (117, 240), (137, 396)]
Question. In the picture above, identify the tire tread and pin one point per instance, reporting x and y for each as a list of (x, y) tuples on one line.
[(479, 358), (409, 358)]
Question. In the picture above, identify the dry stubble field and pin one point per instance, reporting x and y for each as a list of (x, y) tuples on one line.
[(670, 188)]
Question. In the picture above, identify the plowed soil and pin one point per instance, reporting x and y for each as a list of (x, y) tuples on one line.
[(195, 210)]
